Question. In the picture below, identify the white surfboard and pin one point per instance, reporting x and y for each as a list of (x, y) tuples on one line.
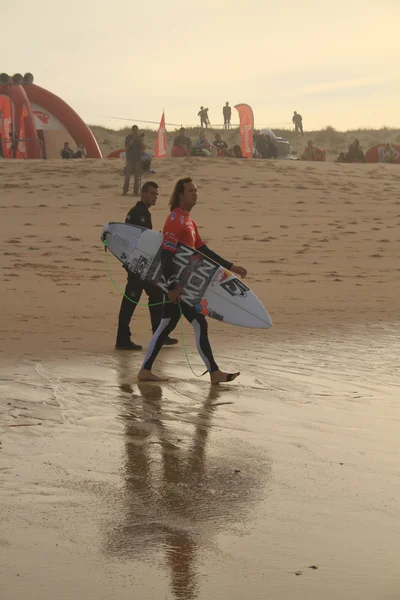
[(211, 289)]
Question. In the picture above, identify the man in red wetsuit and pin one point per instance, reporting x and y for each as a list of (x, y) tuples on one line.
[(180, 228)]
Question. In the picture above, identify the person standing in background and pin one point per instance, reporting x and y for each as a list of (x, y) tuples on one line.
[(134, 148), (203, 114), (227, 112), (297, 120)]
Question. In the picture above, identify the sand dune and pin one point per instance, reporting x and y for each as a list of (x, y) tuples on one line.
[(328, 139)]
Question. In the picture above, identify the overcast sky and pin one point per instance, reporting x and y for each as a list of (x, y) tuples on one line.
[(336, 63)]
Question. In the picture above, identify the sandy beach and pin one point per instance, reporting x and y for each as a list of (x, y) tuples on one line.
[(283, 484)]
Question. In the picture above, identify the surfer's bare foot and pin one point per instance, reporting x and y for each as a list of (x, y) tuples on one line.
[(146, 375), (221, 377)]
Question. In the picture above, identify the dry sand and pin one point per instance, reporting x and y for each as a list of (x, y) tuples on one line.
[(181, 491)]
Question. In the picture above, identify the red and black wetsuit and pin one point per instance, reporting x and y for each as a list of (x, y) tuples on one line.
[(179, 228)]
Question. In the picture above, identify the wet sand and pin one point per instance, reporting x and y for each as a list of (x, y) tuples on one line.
[(112, 488), (183, 490)]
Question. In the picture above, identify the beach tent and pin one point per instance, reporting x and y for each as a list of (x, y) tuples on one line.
[(389, 153), (35, 123)]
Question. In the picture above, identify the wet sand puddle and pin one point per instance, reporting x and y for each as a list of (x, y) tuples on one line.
[(116, 489)]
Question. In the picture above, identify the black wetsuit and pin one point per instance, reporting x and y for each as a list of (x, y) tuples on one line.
[(172, 312), (138, 215)]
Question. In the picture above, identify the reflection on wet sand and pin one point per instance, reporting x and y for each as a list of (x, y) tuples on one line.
[(177, 496)]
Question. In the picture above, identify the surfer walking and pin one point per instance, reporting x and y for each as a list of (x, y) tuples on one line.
[(140, 216), (179, 227)]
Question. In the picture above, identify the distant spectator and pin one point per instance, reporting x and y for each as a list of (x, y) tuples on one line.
[(181, 141), (236, 152), (309, 151), (265, 147), (134, 149), (81, 152), (220, 145), (272, 150), (355, 153), (203, 145), (203, 114), (227, 112), (147, 157), (389, 154), (298, 122), (66, 152)]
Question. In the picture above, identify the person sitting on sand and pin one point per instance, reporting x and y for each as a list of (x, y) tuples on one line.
[(67, 152), (203, 144), (147, 157), (309, 152), (220, 145), (355, 153), (235, 152), (389, 154), (179, 228), (81, 152), (181, 141)]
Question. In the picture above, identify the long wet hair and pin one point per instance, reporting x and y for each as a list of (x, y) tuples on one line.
[(178, 190)]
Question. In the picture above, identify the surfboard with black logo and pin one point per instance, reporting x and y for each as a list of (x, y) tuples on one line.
[(212, 290)]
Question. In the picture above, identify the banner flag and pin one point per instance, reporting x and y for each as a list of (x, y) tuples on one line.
[(161, 143), (246, 128), (21, 148), (6, 126)]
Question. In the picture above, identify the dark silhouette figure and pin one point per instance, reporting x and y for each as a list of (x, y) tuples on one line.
[(203, 114), (227, 112), (298, 122)]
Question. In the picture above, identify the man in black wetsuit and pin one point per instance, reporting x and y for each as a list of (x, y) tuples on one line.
[(180, 228), (140, 215)]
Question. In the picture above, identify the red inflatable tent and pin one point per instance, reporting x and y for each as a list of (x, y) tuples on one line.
[(35, 123)]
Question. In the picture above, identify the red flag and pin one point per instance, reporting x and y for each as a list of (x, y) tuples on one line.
[(246, 128), (161, 143), (6, 120), (21, 148)]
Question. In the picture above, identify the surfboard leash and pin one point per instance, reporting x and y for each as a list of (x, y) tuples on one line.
[(154, 304)]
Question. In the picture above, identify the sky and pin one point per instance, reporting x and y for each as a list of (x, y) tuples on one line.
[(335, 63)]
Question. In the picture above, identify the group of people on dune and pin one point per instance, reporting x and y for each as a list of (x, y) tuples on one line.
[(203, 146)]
